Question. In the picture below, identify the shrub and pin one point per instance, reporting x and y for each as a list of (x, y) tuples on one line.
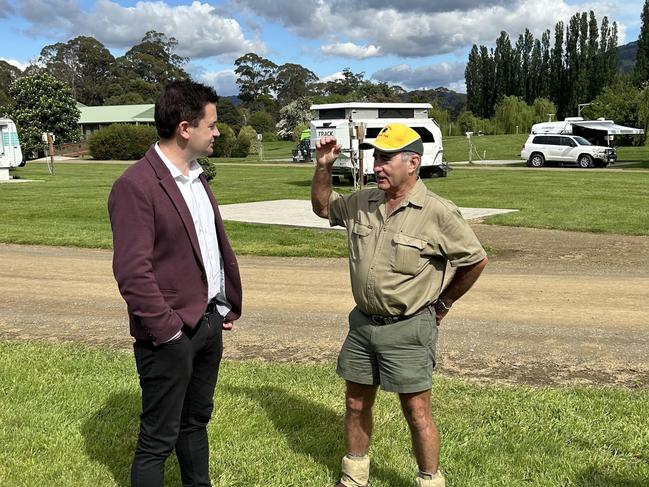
[(224, 144), (270, 137), (262, 122), (252, 135), (241, 146), (122, 142), (209, 167)]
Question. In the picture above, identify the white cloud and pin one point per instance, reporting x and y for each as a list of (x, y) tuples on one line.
[(419, 29), (201, 29), (457, 86), (15, 62), (332, 77), (224, 82), (426, 77), (351, 50)]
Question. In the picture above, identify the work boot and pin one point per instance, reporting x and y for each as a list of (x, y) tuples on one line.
[(355, 471), (430, 480)]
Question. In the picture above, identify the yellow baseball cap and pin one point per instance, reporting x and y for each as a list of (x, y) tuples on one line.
[(396, 137)]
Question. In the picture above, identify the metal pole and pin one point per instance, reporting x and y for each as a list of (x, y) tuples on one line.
[(360, 134), (50, 148)]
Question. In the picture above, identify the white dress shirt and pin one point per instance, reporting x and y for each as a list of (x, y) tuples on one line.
[(200, 207)]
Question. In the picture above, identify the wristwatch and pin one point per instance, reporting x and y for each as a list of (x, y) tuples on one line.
[(441, 306)]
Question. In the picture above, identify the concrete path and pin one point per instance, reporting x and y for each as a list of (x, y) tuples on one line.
[(298, 213)]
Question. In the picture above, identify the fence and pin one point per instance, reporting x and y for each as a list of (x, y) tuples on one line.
[(72, 149)]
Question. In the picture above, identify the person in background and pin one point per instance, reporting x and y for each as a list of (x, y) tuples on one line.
[(401, 238), (180, 280)]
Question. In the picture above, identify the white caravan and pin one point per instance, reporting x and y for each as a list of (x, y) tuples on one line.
[(11, 154), (347, 120), (598, 132)]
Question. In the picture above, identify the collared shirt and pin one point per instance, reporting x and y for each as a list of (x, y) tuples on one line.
[(398, 261), (200, 207)]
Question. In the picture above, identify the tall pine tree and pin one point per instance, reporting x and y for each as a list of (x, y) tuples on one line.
[(557, 72), (641, 74), (472, 77)]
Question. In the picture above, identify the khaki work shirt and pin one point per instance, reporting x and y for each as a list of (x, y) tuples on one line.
[(398, 262)]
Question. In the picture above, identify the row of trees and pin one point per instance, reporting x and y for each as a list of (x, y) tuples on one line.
[(580, 63), (508, 88), (95, 77), (43, 97), (263, 84)]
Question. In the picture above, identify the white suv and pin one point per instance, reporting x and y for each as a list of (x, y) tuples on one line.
[(542, 148)]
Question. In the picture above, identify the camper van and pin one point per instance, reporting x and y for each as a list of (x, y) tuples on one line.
[(10, 153), (598, 132), (353, 123)]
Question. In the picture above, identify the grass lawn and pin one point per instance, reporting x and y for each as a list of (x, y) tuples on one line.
[(69, 208), (280, 150), (639, 156), (492, 147), (69, 418), (585, 201)]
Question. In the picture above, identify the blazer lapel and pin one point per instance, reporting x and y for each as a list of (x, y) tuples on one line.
[(170, 187)]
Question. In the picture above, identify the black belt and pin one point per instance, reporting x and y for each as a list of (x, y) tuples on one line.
[(211, 306), (389, 320)]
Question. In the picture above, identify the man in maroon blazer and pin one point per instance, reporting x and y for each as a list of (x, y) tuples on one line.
[(180, 280)]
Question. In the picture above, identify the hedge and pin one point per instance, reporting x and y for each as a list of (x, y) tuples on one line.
[(122, 142)]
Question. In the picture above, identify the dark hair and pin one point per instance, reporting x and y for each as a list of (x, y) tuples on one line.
[(181, 101)]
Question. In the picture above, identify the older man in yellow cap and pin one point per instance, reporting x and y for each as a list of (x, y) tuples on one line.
[(402, 239)]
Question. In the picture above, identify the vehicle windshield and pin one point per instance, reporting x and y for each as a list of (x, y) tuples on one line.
[(581, 140)]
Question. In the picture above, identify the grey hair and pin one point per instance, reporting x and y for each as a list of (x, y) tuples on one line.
[(407, 155)]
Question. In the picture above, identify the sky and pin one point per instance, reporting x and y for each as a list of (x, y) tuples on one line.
[(417, 44)]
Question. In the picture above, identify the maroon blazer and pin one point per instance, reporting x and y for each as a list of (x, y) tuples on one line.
[(156, 256)]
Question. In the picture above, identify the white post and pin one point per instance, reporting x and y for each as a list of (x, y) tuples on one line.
[(260, 138), (50, 148)]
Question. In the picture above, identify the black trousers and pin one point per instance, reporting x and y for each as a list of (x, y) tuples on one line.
[(178, 381)]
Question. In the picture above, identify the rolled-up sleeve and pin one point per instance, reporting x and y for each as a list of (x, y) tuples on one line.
[(337, 210), (458, 242)]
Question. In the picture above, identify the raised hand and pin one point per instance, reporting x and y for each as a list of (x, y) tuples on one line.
[(327, 151)]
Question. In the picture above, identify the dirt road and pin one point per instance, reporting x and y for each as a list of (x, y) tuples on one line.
[(551, 308)]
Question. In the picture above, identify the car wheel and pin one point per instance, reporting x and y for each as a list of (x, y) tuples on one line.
[(585, 161), (536, 160)]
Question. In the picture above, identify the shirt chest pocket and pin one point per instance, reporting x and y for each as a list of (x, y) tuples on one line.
[(359, 239), (407, 257)]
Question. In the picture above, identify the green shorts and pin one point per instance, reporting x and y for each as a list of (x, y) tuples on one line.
[(399, 357)]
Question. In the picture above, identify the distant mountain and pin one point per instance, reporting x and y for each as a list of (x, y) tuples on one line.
[(234, 99), (626, 57), (447, 99)]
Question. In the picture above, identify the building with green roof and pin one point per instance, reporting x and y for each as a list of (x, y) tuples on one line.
[(94, 118)]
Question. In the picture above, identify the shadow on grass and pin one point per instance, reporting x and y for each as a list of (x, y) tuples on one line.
[(312, 429), (594, 477), (111, 432)]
